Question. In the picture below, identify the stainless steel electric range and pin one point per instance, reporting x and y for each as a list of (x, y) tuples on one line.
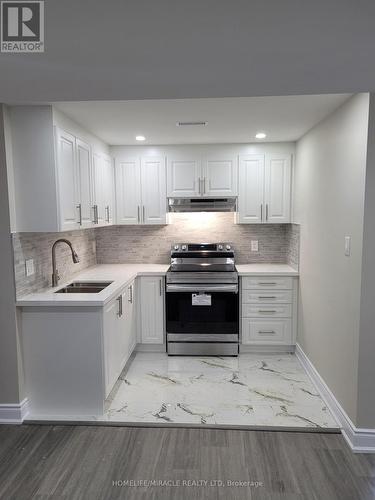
[(202, 300)]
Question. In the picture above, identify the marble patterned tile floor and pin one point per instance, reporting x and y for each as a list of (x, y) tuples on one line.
[(251, 390)]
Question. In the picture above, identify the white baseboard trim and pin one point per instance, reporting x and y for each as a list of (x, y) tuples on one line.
[(14, 413), (359, 440)]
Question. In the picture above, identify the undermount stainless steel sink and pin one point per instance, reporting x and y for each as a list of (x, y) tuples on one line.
[(84, 287)]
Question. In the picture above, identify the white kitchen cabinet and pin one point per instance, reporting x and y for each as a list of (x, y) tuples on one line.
[(277, 188), (53, 171), (108, 189), (151, 306), (74, 181), (128, 191), (219, 176), (102, 190), (251, 189), (153, 191), (141, 191), (113, 350), (119, 331), (83, 168), (264, 189), (67, 180), (269, 312), (131, 315), (184, 177), (210, 176)]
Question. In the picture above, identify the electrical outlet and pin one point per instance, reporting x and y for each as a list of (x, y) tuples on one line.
[(347, 246), (254, 245), (29, 267)]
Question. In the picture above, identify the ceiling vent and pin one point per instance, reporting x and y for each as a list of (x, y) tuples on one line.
[(191, 124)]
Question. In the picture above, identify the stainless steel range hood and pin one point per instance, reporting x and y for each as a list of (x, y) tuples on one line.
[(202, 204)]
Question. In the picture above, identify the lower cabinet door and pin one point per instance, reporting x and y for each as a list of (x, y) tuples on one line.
[(270, 331), (131, 318), (111, 344), (152, 309), (116, 343)]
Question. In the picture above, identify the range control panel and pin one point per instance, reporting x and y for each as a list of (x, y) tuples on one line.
[(202, 247)]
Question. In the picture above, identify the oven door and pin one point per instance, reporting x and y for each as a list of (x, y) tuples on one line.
[(202, 313)]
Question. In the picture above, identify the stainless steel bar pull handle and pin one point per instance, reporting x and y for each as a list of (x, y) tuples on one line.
[(267, 212), (268, 332), (143, 213), (267, 283), (107, 208), (119, 299), (96, 219), (160, 288), (266, 310), (79, 206), (204, 185), (261, 212), (130, 299), (266, 297), (138, 214), (200, 185)]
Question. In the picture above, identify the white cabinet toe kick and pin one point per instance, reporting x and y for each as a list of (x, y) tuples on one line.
[(268, 313)]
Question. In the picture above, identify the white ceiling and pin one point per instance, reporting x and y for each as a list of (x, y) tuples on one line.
[(228, 119)]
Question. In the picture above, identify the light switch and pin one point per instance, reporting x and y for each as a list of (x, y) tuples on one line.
[(29, 264), (347, 245), (254, 245)]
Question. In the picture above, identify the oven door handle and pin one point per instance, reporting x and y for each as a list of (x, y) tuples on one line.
[(202, 288)]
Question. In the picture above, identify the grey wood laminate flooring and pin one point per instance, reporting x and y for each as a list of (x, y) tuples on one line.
[(83, 462)]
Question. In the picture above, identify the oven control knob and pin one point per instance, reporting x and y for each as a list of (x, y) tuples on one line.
[(220, 247), (176, 247), (183, 247), (228, 247)]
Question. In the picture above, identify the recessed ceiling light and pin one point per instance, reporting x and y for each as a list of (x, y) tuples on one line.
[(260, 135), (140, 138)]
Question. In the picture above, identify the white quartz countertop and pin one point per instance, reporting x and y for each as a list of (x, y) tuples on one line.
[(120, 274), (123, 274), (261, 269)]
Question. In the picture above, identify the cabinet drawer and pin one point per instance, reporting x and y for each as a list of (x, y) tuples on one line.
[(268, 283), (266, 297), (267, 310), (272, 331)]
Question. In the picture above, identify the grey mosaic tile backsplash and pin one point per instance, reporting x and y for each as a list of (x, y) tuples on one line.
[(278, 243), (292, 237), (38, 246), (136, 244)]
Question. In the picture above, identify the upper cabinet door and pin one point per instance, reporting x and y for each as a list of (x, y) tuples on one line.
[(83, 155), (153, 186), (108, 187), (184, 177), (277, 188), (220, 176), (97, 208), (67, 180), (128, 191), (251, 189)]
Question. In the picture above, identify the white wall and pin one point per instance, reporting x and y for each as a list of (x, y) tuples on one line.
[(201, 149), (9, 372), (329, 200), (366, 370)]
